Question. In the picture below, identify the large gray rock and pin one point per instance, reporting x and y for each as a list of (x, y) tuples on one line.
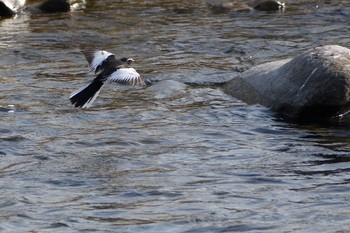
[(315, 84)]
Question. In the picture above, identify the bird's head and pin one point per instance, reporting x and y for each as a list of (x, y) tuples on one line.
[(128, 61)]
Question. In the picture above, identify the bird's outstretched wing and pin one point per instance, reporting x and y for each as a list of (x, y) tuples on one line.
[(126, 76), (100, 59)]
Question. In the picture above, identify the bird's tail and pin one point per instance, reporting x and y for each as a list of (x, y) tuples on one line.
[(85, 96)]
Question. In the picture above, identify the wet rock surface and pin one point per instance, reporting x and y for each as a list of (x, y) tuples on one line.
[(312, 85), (51, 6), (259, 5), (166, 89), (268, 5), (5, 11), (8, 8)]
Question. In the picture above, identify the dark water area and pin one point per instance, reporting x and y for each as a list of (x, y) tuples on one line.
[(165, 160)]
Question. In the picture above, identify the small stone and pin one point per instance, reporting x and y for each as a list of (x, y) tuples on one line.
[(268, 5)]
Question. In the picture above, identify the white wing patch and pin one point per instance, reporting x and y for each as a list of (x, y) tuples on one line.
[(126, 76), (98, 58)]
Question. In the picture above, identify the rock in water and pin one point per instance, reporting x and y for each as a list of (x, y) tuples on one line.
[(313, 85), (268, 5), (51, 6), (8, 8), (166, 89), (5, 11)]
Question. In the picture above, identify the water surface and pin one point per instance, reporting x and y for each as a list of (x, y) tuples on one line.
[(196, 160)]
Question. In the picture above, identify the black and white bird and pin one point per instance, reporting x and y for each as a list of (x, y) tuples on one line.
[(110, 70)]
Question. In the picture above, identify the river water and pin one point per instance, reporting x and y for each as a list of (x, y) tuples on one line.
[(143, 160)]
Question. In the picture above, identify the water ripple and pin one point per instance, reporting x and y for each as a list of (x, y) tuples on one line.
[(171, 158)]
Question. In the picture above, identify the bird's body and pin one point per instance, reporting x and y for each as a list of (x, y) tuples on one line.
[(109, 70)]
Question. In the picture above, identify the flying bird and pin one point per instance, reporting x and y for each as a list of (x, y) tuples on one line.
[(109, 70)]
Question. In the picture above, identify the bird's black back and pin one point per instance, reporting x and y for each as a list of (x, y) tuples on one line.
[(108, 63)]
